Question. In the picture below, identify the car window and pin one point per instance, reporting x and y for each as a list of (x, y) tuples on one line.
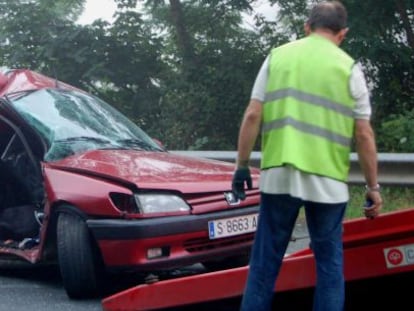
[(73, 122)]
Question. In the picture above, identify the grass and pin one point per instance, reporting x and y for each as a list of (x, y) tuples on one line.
[(394, 198)]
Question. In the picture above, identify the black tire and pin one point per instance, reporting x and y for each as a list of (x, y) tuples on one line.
[(80, 265), (228, 262)]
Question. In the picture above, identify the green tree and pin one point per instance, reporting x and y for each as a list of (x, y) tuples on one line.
[(382, 38), (397, 132), (114, 61), (212, 61), (28, 28), (183, 69)]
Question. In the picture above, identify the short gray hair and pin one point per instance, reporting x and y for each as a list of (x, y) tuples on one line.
[(330, 15)]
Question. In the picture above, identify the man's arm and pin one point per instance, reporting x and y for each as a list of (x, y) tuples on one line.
[(367, 155), (249, 131), (250, 127)]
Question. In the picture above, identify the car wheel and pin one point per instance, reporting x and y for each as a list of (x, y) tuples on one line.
[(227, 263), (80, 265)]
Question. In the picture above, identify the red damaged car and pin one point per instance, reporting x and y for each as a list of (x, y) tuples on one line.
[(84, 187)]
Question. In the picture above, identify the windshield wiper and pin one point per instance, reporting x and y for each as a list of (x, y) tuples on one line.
[(84, 138)]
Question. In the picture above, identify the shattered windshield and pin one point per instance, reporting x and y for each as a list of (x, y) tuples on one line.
[(73, 122)]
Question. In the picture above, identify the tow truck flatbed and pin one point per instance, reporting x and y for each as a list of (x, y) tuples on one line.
[(383, 246)]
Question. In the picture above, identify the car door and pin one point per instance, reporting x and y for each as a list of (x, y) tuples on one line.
[(21, 152), (22, 195)]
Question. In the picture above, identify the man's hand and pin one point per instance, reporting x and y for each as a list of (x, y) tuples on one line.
[(375, 204), (240, 177)]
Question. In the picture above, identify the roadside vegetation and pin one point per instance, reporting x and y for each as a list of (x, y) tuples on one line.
[(183, 69)]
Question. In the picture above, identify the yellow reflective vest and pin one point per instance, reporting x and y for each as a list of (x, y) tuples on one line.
[(308, 108)]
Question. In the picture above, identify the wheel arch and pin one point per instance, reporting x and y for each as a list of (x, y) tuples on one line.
[(50, 247), (74, 262)]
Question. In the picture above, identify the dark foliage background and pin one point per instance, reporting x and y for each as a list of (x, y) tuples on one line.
[(183, 69)]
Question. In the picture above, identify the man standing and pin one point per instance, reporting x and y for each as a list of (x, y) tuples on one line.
[(309, 100)]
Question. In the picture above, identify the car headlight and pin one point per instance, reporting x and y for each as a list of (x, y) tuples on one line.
[(160, 203)]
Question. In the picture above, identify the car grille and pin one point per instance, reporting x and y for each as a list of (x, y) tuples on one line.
[(203, 244)]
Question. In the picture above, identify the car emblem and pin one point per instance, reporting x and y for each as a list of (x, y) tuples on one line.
[(231, 198)]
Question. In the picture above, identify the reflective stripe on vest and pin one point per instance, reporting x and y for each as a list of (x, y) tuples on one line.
[(308, 109)]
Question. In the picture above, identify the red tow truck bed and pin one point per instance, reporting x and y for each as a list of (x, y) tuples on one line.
[(372, 248)]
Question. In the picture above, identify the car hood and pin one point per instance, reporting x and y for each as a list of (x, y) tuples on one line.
[(154, 170)]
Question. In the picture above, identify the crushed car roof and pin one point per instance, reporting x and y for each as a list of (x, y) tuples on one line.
[(17, 80)]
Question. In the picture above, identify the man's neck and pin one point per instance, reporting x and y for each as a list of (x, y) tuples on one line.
[(327, 34)]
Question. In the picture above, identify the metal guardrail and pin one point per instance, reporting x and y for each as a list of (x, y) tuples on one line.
[(393, 168)]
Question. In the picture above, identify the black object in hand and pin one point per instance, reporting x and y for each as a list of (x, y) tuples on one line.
[(368, 203), (240, 178)]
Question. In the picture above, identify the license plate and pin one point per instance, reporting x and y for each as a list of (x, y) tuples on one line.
[(226, 227)]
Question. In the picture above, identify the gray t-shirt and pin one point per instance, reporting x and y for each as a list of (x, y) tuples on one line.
[(287, 179)]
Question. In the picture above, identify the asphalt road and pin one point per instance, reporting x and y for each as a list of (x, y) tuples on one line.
[(41, 289)]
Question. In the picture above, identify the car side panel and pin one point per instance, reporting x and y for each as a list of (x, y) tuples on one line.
[(90, 195)]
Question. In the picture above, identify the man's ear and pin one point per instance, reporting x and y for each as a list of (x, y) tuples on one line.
[(341, 35)]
